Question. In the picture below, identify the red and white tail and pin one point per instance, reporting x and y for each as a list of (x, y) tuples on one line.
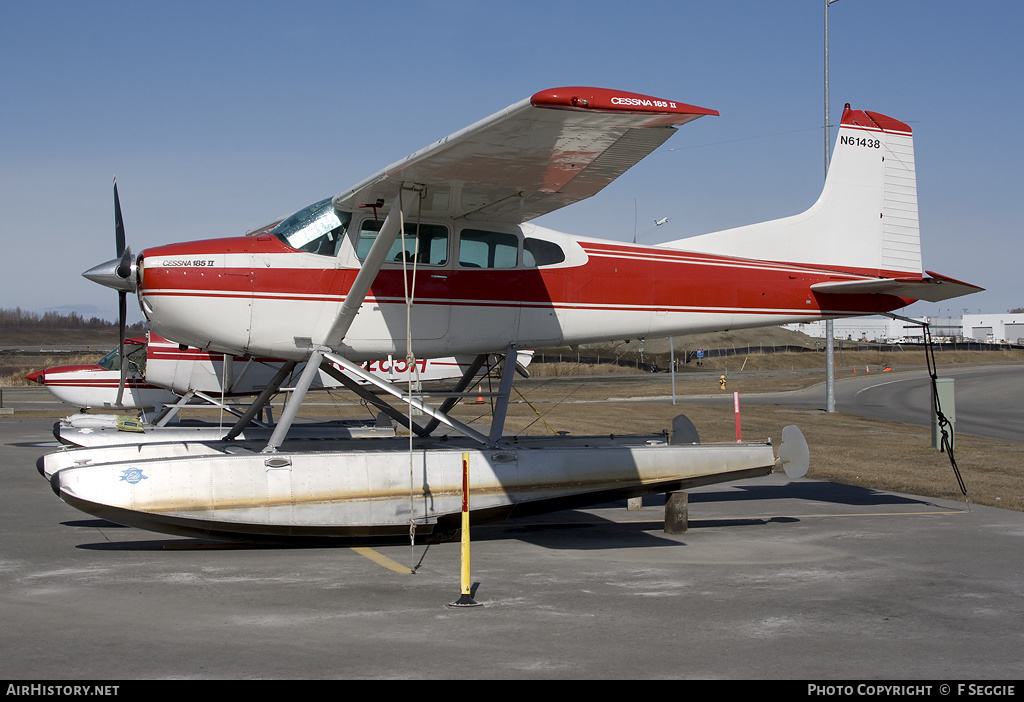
[(865, 220)]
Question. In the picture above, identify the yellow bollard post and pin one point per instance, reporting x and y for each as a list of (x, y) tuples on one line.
[(466, 598)]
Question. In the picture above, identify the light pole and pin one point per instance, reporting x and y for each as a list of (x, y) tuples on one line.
[(830, 359)]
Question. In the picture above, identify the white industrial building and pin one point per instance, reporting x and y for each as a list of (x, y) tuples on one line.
[(986, 328), (880, 329), (995, 328)]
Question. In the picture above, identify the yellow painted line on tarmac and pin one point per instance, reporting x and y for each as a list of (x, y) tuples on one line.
[(381, 559)]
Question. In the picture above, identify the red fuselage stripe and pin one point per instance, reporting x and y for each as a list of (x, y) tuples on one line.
[(615, 278)]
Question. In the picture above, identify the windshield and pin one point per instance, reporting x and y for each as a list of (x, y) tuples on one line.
[(317, 229), (136, 356)]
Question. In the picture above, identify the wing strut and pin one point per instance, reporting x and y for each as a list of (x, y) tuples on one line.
[(370, 397), (309, 374), (404, 397), (460, 388), (273, 386), (389, 231), (508, 373), (170, 411)]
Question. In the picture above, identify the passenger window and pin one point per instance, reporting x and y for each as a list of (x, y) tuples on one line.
[(483, 249), (428, 243), (537, 252)]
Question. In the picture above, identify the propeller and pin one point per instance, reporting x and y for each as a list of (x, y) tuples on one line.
[(119, 274)]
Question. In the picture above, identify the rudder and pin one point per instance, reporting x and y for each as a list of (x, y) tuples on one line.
[(865, 220)]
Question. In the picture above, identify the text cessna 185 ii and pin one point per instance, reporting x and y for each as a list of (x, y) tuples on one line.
[(155, 374), (436, 255)]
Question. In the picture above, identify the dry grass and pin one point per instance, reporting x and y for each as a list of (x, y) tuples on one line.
[(563, 368), (844, 448), (105, 338), (846, 362), (14, 368)]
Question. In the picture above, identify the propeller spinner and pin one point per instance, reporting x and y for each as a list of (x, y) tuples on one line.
[(119, 274)]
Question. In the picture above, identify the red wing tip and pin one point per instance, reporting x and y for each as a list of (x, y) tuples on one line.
[(613, 100)]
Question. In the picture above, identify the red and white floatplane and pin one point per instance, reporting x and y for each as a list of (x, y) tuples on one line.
[(436, 255)]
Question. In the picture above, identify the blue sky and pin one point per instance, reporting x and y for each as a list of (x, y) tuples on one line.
[(219, 117)]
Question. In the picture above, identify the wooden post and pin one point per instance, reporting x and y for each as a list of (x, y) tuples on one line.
[(676, 509)]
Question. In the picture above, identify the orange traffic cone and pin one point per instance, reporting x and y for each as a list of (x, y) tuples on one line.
[(479, 394)]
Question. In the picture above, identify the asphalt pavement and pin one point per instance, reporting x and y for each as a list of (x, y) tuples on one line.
[(989, 400), (775, 579)]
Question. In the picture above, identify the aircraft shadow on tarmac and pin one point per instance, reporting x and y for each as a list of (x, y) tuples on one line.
[(601, 534), (812, 491), (568, 529), (595, 533), (186, 545), (179, 544), (93, 523)]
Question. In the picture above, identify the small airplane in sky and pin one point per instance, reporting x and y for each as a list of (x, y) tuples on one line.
[(437, 255)]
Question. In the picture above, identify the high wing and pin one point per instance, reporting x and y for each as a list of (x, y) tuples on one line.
[(550, 150), (555, 148)]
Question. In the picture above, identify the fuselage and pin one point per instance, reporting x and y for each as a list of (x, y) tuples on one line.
[(474, 290), (160, 372), (95, 385)]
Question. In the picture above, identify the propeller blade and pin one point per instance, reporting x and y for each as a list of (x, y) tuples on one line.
[(123, 270), (118, 225), (122, 311)]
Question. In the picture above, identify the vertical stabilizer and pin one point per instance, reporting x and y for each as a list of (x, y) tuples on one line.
[(865, 220)]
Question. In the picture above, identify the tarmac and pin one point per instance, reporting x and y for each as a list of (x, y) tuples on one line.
[(775, 579)]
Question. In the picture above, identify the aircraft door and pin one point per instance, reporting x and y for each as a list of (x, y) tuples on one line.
[(424, 250), (486, 289)]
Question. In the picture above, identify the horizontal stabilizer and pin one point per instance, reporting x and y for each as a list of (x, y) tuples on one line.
[(931, 289)]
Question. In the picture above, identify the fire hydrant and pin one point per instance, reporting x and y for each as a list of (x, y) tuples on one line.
[(721, 382)]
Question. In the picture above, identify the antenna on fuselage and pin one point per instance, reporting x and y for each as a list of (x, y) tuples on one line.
[(634, 220)]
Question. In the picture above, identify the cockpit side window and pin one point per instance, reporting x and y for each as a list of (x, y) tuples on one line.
[(316, 229), (428, 243)]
